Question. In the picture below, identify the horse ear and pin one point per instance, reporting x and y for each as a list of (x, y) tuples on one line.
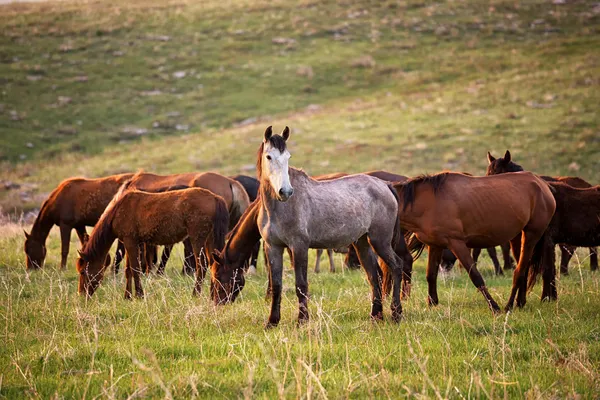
[(217, 256), (507, 156), (491, 158), (27, 235), (286, 133), (268, 133)]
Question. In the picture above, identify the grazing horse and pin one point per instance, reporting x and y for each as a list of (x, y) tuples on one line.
[(458, 212), (299, 213), (230, 190), (505, 164), (251, 185), (136, 217), (74, 204), (576, 222)]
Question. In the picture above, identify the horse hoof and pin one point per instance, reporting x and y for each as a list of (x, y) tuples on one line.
[(271, 325), (377, 317), (508, 308), (396, 317), (432, 302)]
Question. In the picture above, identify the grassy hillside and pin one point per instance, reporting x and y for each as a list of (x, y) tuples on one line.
[(102, 87)]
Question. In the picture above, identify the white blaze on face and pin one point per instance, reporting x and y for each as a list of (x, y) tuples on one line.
[(276, 164)]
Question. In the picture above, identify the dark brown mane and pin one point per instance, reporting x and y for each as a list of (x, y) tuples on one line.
[(241, 222), (102, 236), (409, 187), (276, 141)]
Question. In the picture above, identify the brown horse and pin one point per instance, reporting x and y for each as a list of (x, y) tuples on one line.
[(505, 164), (576, 222), (460, 212), (74, 204), (230, 190), (136, 217)]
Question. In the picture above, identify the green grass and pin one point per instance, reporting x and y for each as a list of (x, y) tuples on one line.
[(57, 343), (444, 84)]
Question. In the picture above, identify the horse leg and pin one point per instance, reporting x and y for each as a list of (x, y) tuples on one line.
[(593, 258), (394, 258), (119, 255), (201, 263), (368, 261), (461, 251), (318, 261), (82, 235), (164, 259), (269, 293), (476, 253), (515, 246), (519, 287), (132, 263), (65, 239), (434, 257), (548, 271), (566, 252), (275, 257), (508, 264), (300, 262), (331, 261), (494, 256), (189, 259)]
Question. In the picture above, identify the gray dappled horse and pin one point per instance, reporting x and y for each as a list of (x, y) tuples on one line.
[(299, 212)]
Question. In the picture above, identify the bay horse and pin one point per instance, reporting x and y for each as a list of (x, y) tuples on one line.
[(458, 212), (74, 204), (230, 190), (505, 164), (135, 217), (299, 213), (576, 222)]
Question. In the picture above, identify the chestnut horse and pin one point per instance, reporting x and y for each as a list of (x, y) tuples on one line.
[(505, 164), (299, 213), (136, 218), (74, 204), (251, 185), (458, 212), (230, 190)]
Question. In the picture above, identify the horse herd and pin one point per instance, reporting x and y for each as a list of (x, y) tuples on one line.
[(381, 220)]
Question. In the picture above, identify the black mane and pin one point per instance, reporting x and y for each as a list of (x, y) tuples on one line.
[(409, 187)]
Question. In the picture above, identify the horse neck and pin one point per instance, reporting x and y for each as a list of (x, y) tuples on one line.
[(242, 242), (43, 223)]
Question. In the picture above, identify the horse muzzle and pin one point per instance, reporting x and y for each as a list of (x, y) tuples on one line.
[(285, 194)]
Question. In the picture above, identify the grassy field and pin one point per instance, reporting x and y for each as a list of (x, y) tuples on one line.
[(102, 87)]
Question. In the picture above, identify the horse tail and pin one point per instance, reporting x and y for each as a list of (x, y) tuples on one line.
[(240, 202), (415, 246), (386, 274), (542, 260), (220, 223)]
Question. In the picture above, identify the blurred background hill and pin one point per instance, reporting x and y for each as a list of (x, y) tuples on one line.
[(98, 87)]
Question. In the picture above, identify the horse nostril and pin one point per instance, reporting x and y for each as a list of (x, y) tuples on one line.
[(281, 192), (291, 192)]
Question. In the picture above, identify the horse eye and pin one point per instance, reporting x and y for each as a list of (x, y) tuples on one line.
[(268, 157)]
